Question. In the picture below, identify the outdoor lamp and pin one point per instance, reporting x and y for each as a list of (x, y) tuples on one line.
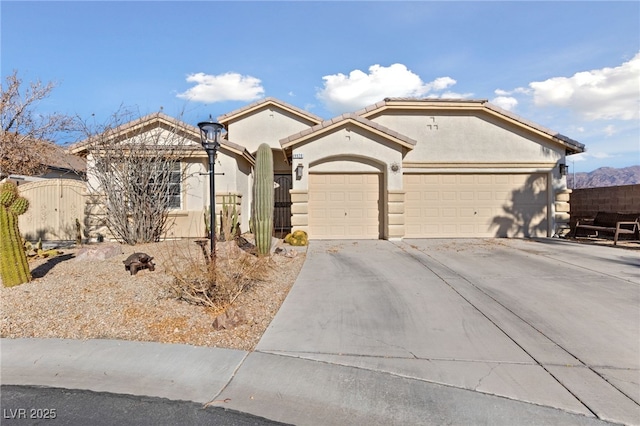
[(209, 133), (563, 169), (299, 171)]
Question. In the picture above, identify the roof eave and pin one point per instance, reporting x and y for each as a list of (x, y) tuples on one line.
[(571, 146), (234, 115), (341, 121), (135, 126)]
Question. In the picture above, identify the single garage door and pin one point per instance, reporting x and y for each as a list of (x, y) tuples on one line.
[(475, 205), (344, 206)]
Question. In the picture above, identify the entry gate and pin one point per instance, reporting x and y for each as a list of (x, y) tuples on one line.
[(282, 207)]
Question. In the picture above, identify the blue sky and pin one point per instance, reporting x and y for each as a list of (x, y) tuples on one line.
[(573, 67)]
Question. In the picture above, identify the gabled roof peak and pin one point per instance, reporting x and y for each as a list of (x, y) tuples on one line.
[(312, 118), (345, 119), (138, 125)]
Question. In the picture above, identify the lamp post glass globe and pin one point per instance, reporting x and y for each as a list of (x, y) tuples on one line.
[(209, 132)]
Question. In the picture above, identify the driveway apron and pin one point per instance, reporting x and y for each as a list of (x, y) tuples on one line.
[(503, 317)]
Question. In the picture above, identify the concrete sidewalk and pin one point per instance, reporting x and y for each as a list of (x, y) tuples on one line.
[(417, 332)]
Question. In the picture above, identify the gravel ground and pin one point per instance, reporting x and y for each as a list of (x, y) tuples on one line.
[(98, 299)]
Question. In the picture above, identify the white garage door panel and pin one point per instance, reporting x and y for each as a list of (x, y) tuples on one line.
[(475, 205), (344, 206)]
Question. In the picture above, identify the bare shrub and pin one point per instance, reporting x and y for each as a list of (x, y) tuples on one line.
[(216, 284), (139, 169)]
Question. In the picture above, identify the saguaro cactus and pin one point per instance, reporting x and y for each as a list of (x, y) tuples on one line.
[(262, 211), (14, 267)]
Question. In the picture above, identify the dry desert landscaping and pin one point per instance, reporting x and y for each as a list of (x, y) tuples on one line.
[(98, 299)]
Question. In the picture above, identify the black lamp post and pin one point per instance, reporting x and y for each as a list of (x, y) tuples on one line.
[(209, 132)]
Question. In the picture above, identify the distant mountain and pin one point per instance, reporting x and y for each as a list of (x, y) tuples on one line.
[(605, 176)]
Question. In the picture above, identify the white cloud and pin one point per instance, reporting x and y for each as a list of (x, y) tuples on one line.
[(587, 156), (602, 94), (600, 155), (505, 102), (222, 87), (453, 95), (342, 93)]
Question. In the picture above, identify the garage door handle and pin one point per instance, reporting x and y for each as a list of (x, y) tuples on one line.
[(345, 213)]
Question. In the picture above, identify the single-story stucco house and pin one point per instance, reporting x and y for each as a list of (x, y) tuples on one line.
[(402, 168)]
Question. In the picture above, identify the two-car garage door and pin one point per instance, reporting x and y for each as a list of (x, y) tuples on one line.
[(344, 206), (347, 206), (475, 205)]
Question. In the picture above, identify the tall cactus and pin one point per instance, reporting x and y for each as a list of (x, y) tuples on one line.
[(262, 211), (14, 268)]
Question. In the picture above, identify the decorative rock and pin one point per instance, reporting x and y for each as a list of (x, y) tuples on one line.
[(286, 253), (99, 252), (245, 244), (229, 319)]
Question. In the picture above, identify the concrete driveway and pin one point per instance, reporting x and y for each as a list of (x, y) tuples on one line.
[(548, 322), (428, 332)]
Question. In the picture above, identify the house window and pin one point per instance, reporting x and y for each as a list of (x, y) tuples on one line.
[(164, 182), (175, 188), (151, 184)]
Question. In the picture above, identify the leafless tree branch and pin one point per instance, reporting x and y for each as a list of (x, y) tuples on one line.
[(23, 129), (139, 174)]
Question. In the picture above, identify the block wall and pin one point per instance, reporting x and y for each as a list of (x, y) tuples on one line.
[(586, 202)]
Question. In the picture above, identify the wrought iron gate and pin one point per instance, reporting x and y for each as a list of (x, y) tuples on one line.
[(282, 207)]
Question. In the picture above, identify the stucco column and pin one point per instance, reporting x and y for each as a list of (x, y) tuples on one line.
[(299, 210), (562, 213), (395, 212)]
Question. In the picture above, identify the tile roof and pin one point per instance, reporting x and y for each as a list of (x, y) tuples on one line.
[(186, 129), (577, 146), (266, 101), (344, 118), (56, 157), (136, 125)]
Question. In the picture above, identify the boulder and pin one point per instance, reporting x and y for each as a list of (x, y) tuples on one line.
[(99, 252), (229, 319), (286, 253)]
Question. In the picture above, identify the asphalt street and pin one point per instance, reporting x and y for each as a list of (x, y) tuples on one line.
[(30, 405)]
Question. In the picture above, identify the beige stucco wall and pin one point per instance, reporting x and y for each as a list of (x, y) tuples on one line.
[(348, 149), (235, 180), (478, 142), (232, 177), (266, 125), (469, 138), (472, 142)]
